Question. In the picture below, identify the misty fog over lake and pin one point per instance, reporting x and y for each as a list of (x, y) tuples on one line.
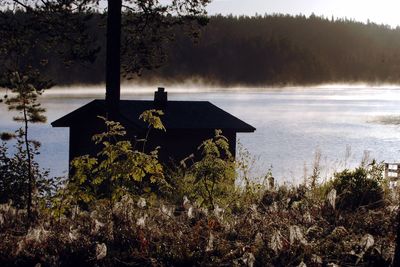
[(341, 124)]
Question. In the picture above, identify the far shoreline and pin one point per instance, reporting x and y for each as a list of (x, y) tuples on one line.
[(199, 87)]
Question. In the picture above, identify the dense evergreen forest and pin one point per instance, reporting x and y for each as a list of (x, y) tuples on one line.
[(264, 50)]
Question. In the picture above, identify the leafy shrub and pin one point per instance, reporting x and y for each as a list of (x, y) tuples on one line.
[(209, 181), (118, 169), (356, 189), (14, 178)]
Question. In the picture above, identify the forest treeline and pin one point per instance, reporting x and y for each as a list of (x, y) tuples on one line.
[(263, 50)]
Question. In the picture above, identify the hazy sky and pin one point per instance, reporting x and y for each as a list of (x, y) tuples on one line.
[(379, 11)]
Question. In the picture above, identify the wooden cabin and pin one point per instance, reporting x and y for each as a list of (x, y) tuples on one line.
[(187, 124)]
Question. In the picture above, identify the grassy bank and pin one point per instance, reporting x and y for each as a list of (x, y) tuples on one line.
[(279, 226)]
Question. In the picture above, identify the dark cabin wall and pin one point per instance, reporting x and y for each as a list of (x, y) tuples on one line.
[(80, 138), (175, 145), (231, 135)]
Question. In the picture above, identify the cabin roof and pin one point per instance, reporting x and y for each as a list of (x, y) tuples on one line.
[(177, 115)]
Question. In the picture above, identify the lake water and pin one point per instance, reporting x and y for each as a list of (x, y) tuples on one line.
[(341, 124)]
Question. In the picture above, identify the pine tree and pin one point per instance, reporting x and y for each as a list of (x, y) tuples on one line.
[(25, 90)]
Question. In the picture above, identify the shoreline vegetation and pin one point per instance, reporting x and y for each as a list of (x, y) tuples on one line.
[(270, 50), (123, 208)]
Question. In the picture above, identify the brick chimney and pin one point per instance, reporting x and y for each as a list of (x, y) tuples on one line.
[(160, 97)]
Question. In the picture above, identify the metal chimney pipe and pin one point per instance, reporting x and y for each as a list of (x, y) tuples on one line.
[(160, 96)]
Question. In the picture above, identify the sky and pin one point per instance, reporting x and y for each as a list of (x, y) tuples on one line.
[(378, 11)]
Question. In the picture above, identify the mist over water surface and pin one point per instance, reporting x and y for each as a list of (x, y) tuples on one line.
[(293, 124)]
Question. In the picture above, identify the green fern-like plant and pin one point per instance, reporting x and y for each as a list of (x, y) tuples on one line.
[(211, 179), (118, 168)]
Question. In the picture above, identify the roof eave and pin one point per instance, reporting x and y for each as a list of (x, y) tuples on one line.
[(247, 130), (58, 124), (65, 121)]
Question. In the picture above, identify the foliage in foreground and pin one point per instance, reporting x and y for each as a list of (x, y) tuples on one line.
[(122, 208), (285, 226), (290, 230)]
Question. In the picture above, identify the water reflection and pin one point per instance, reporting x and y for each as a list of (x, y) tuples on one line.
[(292, 124)]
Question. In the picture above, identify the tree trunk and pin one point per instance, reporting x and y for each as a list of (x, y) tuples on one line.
[(113, 60), (30, 176)]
